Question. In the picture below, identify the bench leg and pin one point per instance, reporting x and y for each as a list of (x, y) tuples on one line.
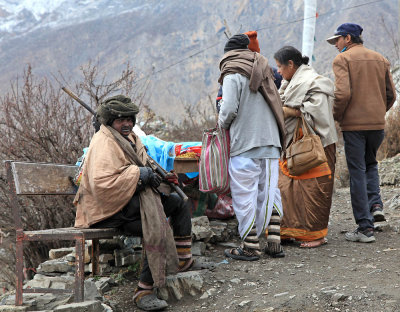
[(79, 269), (95, 256), (19, 272)]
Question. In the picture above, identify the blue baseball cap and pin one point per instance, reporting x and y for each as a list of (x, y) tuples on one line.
[(344, 30)]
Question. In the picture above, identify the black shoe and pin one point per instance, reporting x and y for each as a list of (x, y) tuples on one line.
[(377, 213)]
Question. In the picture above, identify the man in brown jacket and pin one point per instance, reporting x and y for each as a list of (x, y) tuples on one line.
[(119, 190), (364, 92)]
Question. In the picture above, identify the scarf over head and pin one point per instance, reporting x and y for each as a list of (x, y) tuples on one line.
[(116, 107), (255, 67), (239, 41)]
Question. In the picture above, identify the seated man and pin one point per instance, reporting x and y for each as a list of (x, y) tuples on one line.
[(118, 190)]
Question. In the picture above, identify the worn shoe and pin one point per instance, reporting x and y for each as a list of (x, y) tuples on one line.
[(274, 250), (377, 213), (151, 303), (362, 236)]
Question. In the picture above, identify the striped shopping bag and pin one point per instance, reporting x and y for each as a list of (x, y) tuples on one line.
[(214, 161)]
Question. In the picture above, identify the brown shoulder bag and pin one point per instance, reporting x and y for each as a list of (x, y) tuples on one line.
[(305, 153)]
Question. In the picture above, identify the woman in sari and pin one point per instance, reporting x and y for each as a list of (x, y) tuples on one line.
[(306, 199)]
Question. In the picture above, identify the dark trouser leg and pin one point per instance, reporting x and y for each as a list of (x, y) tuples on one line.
[(355, 145), (374, 140), (179, 214), (128, 219), (145, 275), (145, 285)]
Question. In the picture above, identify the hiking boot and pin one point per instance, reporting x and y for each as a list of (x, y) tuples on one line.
[(377, 213), (362, 236)]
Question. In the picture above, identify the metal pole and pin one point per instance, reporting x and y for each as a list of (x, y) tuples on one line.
[(310, 11)]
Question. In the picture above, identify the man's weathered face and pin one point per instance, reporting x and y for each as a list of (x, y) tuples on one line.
[(123, 125)]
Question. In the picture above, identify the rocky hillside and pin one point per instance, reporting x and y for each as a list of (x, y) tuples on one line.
[(178, 43)]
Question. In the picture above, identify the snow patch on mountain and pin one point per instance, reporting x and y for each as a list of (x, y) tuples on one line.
[(20, 17)]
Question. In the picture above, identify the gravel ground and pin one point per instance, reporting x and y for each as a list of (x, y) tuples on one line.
[(339, 276)]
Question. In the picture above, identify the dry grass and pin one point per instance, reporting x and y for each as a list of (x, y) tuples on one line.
[(40, 123), (391, 144)]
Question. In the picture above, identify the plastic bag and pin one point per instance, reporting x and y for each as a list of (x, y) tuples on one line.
[(223, 209)]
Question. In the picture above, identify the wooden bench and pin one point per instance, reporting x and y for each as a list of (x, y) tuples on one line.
[(27, 178)]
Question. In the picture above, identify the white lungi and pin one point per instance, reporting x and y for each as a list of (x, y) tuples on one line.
[(255, 192)]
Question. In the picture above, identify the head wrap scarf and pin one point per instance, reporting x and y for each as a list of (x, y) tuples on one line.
[(239, 41), (116, 107)]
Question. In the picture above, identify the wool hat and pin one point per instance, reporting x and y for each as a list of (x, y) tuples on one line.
[(253, 45), (239, 41), (116, 107), (344, 30)]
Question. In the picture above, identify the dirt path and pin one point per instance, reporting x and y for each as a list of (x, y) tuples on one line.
[(339, 276)]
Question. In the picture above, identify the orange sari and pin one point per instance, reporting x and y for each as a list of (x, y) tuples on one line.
[(307, 199)]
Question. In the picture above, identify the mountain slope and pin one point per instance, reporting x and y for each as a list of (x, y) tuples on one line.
[(160, 37)]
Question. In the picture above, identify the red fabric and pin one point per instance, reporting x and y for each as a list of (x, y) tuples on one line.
[(223, 208), (253, 45), (171, 177), (178, 149), (194, 149)]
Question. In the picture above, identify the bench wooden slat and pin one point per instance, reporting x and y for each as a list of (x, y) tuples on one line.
[(43, 178), (53, 231), (67, 233)]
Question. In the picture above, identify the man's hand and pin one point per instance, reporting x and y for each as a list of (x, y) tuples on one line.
[(147, 176), (172, 177), (155, 180), (291, 112)]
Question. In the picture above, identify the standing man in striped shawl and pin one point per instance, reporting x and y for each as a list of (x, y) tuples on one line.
[(252, 111)]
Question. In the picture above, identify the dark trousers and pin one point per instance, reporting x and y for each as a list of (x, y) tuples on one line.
[(129, 221), (360, 149)]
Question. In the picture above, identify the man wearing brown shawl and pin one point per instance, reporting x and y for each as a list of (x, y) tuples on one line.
[(118, 190), (252, 111)]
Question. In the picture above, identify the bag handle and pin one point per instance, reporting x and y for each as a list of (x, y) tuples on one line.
[(306, 129)]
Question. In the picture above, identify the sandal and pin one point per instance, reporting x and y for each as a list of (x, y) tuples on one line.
[(151, 303), (239, 254), (314, 244)]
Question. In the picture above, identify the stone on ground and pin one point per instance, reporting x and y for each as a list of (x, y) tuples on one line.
[(86, 306), (178, 285)]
